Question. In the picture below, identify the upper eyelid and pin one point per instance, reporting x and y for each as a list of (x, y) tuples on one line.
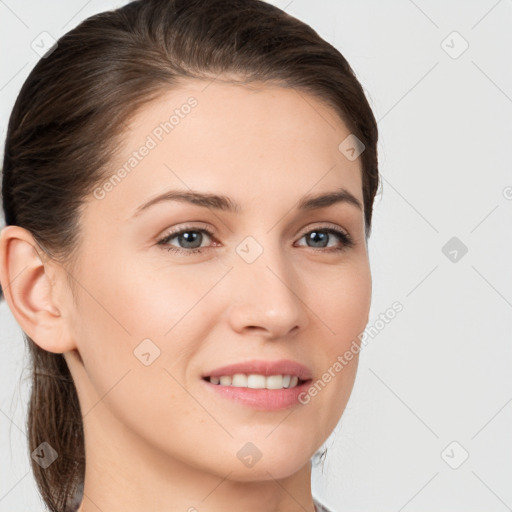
[(186, 227), (324, 225), (206, 227)]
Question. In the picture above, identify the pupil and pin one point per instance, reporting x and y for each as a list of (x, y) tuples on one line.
[(318, 234), (190, 237)]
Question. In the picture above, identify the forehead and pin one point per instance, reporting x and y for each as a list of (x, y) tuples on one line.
[(253, 112), (239, 140)]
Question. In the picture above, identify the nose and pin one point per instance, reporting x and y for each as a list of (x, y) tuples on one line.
[(266, 297)]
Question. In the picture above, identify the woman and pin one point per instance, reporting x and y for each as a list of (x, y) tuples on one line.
[(188, 190)]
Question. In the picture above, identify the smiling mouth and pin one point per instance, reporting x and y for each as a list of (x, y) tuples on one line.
[(257, 381)]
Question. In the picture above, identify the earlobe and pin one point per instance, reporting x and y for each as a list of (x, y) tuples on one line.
[(27, 277)]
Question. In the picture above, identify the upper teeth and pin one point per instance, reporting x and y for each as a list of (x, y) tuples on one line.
[(255, 381)]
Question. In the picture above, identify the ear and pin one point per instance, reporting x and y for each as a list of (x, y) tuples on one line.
[(34, 287)]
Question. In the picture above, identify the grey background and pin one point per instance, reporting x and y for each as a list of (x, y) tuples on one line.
[(434, 384)]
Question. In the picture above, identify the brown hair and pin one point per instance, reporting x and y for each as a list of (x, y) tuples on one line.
[(68, 120)]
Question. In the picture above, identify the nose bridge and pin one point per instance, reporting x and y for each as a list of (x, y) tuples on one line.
[(265, 288)]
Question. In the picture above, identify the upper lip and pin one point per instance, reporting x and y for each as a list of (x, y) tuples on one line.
[(262, 367)]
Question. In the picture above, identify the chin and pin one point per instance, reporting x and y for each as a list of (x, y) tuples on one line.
[(264, 470), (266, 458)]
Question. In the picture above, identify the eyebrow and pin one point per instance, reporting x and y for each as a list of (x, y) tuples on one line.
[(225, 203)]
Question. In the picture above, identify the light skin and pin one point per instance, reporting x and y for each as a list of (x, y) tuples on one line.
[(155, 439)]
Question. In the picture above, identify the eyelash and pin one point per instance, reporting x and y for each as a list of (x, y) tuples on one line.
[(345, 238)]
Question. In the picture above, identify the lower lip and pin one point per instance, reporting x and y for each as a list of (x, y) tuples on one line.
[(262, 399)]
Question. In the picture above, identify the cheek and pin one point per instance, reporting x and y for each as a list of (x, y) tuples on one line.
[(342, 301), (124, 305), (342, 305), (173, 306), (150, 296)]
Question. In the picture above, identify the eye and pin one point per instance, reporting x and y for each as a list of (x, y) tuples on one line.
[(191, 239), (320, 238)]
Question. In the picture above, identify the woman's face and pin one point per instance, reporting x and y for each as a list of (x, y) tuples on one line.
[(154, 315)]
